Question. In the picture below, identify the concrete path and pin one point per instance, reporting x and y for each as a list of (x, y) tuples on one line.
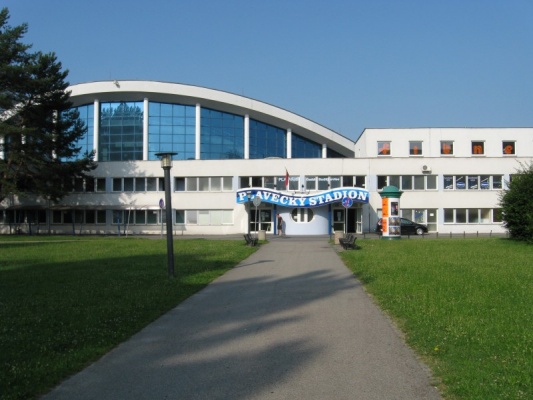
[(290, 322)]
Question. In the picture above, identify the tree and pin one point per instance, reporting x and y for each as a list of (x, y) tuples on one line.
[(517, 204), (38, 125)]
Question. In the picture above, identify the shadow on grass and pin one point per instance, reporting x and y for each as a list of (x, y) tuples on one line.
[(208, 347)]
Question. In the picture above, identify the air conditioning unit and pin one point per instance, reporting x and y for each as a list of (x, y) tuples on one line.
[(426, 168)]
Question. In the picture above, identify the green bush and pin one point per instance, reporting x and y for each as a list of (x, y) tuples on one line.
[(517, 204)]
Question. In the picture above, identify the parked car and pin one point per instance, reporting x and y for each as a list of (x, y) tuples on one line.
[(408, 227)]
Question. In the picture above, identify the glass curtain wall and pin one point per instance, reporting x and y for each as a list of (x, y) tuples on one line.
[(171, 128), (304, 148), (87, 141), (267, 140), (222, 135), (121, 131)]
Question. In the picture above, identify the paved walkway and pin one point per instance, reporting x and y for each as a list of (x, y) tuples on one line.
[(289, 322)]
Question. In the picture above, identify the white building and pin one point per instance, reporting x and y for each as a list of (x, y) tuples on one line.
[(229, 145)]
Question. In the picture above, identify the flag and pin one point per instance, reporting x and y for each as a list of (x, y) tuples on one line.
[(286, 179)]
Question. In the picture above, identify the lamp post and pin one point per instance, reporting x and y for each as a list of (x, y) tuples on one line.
[(166, 164), (249, 197)]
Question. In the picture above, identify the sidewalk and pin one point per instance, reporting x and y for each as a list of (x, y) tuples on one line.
[(289, 322)]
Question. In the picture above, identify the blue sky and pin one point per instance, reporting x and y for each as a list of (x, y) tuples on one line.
[(347, 65)]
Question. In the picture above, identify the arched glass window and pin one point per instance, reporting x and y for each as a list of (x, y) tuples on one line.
[(305, 148), (87, 141), (121, 131), (171, 128), (267, 140), (222, 135)]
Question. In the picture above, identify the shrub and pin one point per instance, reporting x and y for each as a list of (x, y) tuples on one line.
[(517, 204)]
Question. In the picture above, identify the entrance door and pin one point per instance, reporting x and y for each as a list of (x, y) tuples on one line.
[(354, 223), (264, 220)]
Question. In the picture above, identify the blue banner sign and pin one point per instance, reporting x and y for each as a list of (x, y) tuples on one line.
[(302, 200)]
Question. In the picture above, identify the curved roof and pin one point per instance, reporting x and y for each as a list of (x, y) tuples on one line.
[(177, 93)]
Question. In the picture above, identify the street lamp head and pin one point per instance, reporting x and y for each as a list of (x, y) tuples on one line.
[(166, 159)]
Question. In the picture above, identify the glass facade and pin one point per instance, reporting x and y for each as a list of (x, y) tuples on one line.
[(171, 128), (86, 143), (121, 131), (267, 141), (304, 148), (222, 135)]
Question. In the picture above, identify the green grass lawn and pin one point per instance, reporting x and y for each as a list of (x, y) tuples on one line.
[(466, 306), (66, 301)]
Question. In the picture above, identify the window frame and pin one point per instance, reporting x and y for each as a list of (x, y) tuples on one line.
[(416, 145)]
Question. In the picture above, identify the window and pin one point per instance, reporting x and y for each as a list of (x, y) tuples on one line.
[(347, 181), (394, 180), (473, 182), (449, 216), (151, 216), (128, 184), (86, 142), (204, 217), (95, 216), (270, 182), (310, 182), (302, 215), (478, 148), (408, 182), (151, 184), (140, 217), (192, 184), (257, 181), (448, 182), (431, 182), (227, 183), (203, 184), (305, 148), (382, 181), (508, 148), (121, 131), (497, 182), (472, 215), (140, 185), (484, 182), (117, 184), (460, 215), (266, 141), (180, 217), (171, 128), (334, 182), (100, 185), (384, 149), (360, 181), (222, 135), (460, 182), (419, 182), (323, 183), (446, 147), (415, 148)]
